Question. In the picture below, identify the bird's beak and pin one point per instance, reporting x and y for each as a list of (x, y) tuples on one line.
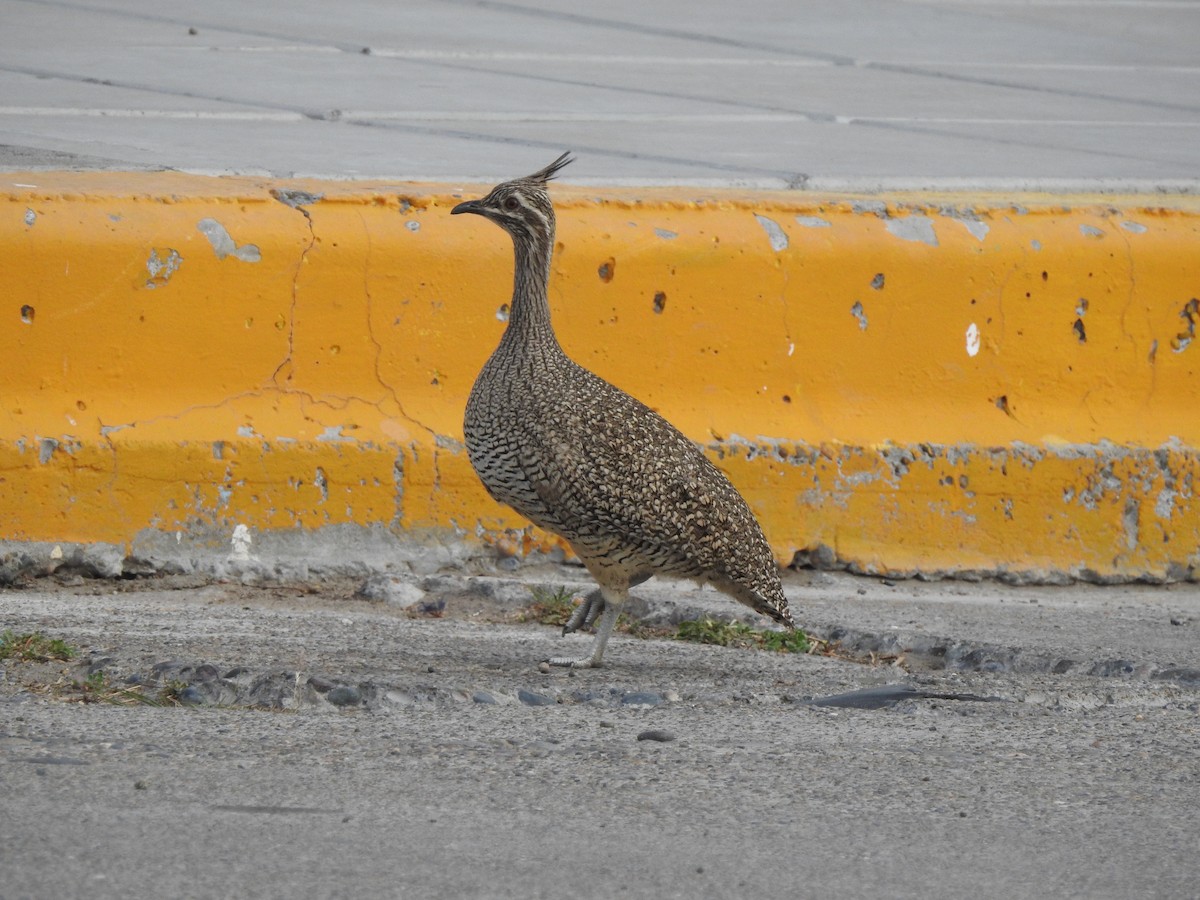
[(467, 206)]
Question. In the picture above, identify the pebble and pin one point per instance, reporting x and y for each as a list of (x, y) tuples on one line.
[(191, 696), (204, 672), (483, 697), (390, 589), (544, 668), (529, 698), (319, 684), (661, 735), (344, 695), (433, 607)]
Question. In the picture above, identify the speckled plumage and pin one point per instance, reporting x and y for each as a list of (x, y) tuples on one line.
[(581, 458)]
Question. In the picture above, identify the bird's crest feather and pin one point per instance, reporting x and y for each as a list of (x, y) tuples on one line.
[(541, 176)]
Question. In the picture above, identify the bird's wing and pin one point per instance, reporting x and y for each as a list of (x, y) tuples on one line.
[(612, 467)]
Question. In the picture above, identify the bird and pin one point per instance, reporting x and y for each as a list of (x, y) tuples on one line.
[(577, 456)]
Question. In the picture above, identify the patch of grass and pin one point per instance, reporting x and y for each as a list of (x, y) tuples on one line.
[(739, 634), (169, 692), (637, 629), (549, 606), (97, 689), (788, 641), (33, 647)]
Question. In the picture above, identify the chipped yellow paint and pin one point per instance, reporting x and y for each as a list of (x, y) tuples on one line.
[(922, 383)]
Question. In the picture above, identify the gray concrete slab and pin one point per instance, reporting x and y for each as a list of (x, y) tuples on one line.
[(945, 93)]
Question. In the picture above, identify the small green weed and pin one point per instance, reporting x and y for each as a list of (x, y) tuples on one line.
[(787, 641), (169, 693), (549, 607), (33, 647), (739, 634)]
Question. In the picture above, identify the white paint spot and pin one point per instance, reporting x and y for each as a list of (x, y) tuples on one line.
[(1090, 231), (333, 433), (30, 217), (1134, 227), (666, 234), (972, 339), (46, 448), (223, 245), (813, 222), (56, 553), (1035, 244), (1165, 504), (179, 537), (791, 347), (413, 225), (779, 240), (247, 431), (240, 543), (916, 227), (161, 268), (977, 227), (857, 311)]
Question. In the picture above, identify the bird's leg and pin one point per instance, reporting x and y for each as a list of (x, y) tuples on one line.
[(586, 613), (613, 601)]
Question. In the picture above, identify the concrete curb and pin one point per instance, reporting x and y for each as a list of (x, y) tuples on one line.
[(900, 384)]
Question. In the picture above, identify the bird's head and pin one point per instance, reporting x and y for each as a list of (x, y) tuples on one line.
[(522, 206)]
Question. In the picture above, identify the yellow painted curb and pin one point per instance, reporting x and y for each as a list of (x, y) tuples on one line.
[(900, 384)]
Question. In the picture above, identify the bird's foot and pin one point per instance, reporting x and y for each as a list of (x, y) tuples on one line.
[(567, 662), (594, 605), (585, 614)]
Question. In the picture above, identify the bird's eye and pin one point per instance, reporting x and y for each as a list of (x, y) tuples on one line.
[(511, 204)]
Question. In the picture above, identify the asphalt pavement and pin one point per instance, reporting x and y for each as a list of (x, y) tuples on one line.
[(982, 739)]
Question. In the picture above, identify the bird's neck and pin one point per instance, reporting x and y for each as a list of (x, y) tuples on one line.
[(529, 312)]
